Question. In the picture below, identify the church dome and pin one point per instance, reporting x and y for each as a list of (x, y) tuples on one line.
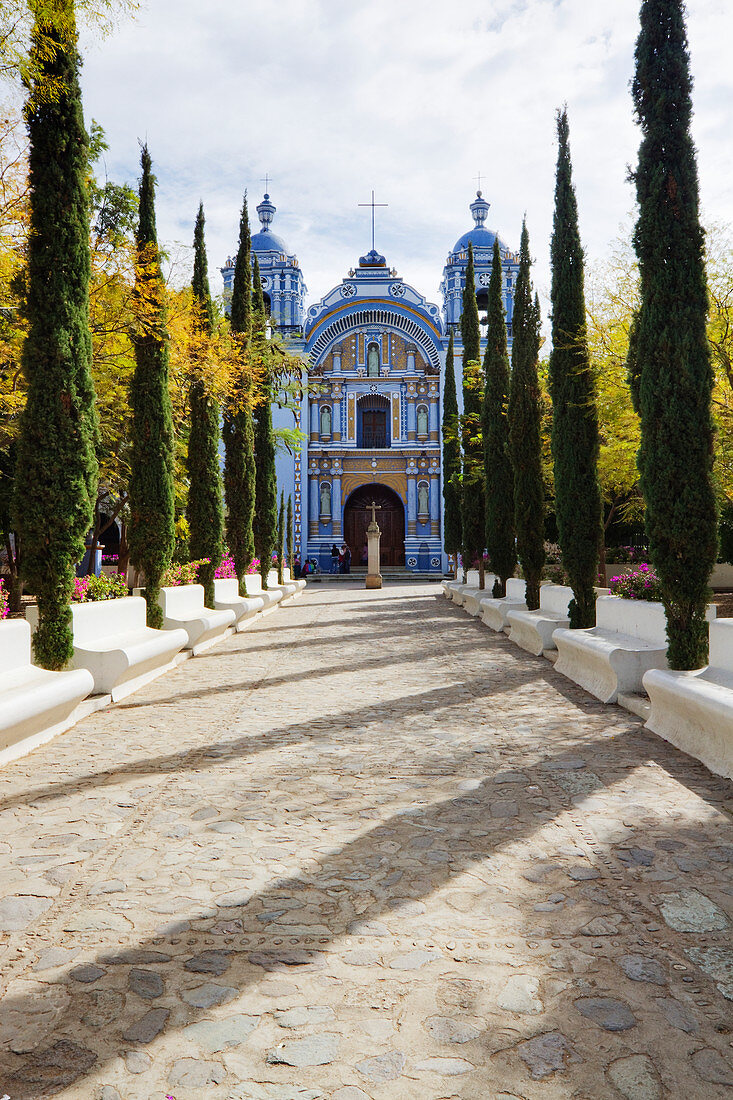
[(266, 240), (479, 236)]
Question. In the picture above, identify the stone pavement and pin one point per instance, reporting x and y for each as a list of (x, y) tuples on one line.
[(367, 850)]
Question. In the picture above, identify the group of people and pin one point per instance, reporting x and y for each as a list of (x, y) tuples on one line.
[(340, 559)]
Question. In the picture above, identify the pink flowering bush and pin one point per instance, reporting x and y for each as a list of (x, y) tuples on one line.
[(227, 569), (254, 567), (91, 589), (642, 584), (179, 573), (3, 601)]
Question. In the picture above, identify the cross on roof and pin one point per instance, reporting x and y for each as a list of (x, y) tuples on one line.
[(267, 179), (373, 204), (478, 177)]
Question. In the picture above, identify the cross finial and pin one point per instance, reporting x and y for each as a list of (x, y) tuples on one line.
[(478, 178), (373, 204), (266, 180), (375, 508)]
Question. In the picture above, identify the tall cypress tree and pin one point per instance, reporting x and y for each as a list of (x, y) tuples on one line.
[(56, 471), (204, 508), (291, 538), (150, 533), (498, 472), (281, 540), (472, 490), (575, 443), (265, 517), (238, 431), (670, 364), (525, 418), (451, 461)]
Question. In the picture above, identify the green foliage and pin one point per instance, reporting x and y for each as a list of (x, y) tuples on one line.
[(498, 473), (151, 533), (525, 424), (281, 540), (669, 361), (264, 524), (451, 459), (575, 443), (238, 431), (472, 488), (56, 475), (204, 511)]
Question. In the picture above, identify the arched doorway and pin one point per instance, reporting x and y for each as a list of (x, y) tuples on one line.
[(391, 520)]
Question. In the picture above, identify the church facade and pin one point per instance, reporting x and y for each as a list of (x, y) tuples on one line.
[(370, 416)]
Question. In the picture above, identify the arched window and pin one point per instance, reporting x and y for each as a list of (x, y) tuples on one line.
[(422, 420), (325, 500), (325, 420), (423, 498), (373, 361)]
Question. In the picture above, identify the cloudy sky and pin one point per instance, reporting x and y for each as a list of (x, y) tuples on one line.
[(413, 98)]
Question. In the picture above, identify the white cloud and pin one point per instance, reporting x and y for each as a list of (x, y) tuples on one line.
[(411, 97)]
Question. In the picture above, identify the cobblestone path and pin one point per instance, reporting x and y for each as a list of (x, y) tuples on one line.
[(367, 850)]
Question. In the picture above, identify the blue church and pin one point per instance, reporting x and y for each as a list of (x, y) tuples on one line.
[(374, 349)]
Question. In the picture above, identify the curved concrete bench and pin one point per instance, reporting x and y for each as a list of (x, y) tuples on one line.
[(694, 710), (227, 598), (35, 704), (183, 608), (494, 611), (532, 630), (272, 597), (629, 638), (298, 581), (288, 588), (472, 597)]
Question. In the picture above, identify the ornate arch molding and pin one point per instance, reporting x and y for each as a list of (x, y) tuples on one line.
[(394, 319)]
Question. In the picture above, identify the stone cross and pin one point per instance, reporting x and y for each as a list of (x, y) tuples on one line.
[(375, 508)]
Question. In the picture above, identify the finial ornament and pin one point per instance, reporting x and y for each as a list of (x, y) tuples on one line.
[(266, 212), (480, 209)]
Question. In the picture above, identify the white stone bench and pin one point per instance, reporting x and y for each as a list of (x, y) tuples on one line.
[(473, 596), (35, 704), (629, 638), (532, 630), (227, 598), (272, 597), (288, 588), (183, 608), (494, 611), (694, 710), (298, 581)]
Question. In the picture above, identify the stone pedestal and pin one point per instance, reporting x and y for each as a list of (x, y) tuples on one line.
[(374, 577)]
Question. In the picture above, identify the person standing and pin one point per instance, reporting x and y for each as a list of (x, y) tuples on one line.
[(347, 559), (334, 558)]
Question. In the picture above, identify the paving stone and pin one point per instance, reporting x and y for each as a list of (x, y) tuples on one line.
[(109, 1092), (383, 1067), (712, 1067), (315, 1050), (282, 960), (146, 983), (677, 1015), (608, 1013), (444, 1029), (147, 1027), (520, 994), (350, 1093), (642, 969), (635, 1078), (362, 957), (299, 1017), (57, 1066), (209, 995), (192, 1073), (717, 963), (548, 1053), (691, 911), (581, 873), (221, 1033), (137, 1061), (414, 960), (17, 912), (87, 973), (209, 962)]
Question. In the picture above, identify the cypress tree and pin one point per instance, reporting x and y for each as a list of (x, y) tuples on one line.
[(472, 490), (451, 461), (56, 472), (498, 473), (238, 432), (291, 539), (281, 540), (525, 418), (575, 443), (670, 365), (264, 524), (150, 533), (204, 507)]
